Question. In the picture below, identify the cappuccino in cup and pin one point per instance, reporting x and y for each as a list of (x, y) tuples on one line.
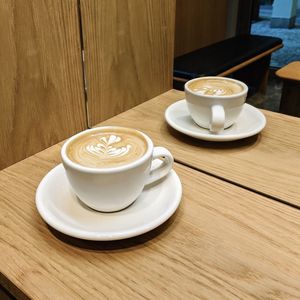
[(215, 102), (107, 148), (215, 87), (108, 167)]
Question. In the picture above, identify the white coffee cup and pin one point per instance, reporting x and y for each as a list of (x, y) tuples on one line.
[(112, 188), (215, 102)]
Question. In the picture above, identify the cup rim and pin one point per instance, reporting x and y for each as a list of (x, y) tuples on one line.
[(245, 87), (66, 160)]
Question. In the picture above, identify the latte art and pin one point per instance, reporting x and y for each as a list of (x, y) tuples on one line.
[(215, 87), (107, 148), (212, 91)]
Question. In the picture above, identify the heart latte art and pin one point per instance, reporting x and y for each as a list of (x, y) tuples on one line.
[(107, 148)]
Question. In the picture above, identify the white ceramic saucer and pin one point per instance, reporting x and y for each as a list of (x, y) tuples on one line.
[(250, 122), (62, 210)]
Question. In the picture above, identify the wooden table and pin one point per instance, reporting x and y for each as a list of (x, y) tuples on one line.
[(224, 241)]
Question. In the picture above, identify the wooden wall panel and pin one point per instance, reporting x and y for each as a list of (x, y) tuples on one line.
[(128, 48), (41, 86), (199, 23)]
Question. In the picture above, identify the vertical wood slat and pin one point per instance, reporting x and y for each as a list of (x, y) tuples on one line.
[(41, 83), (199, 23), (128, 48)]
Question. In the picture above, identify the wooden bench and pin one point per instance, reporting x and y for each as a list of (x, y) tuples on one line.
[(244, 57)]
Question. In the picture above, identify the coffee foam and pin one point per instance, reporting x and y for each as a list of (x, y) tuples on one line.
[(107, 148), (215, 87)]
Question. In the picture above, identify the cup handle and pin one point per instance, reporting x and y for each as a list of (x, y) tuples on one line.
[(217, 119), (160, 170)]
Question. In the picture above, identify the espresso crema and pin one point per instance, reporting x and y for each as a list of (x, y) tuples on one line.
[(107, 148), (215, 87)]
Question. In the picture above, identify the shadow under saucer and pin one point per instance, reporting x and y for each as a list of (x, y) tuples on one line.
[(160, 231)]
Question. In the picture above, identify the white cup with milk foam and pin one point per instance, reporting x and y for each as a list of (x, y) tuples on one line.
[(215, 102)]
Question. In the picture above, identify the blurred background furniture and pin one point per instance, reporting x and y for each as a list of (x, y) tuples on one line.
[(290, 98), (244, 57)]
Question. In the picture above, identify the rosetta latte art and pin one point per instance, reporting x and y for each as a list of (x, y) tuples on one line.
[(105, 147)]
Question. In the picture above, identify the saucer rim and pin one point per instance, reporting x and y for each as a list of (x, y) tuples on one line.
[(103, 236), (211, 136)]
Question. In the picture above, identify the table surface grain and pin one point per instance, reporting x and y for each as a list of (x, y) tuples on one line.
[(267, 163), (224, 242)]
